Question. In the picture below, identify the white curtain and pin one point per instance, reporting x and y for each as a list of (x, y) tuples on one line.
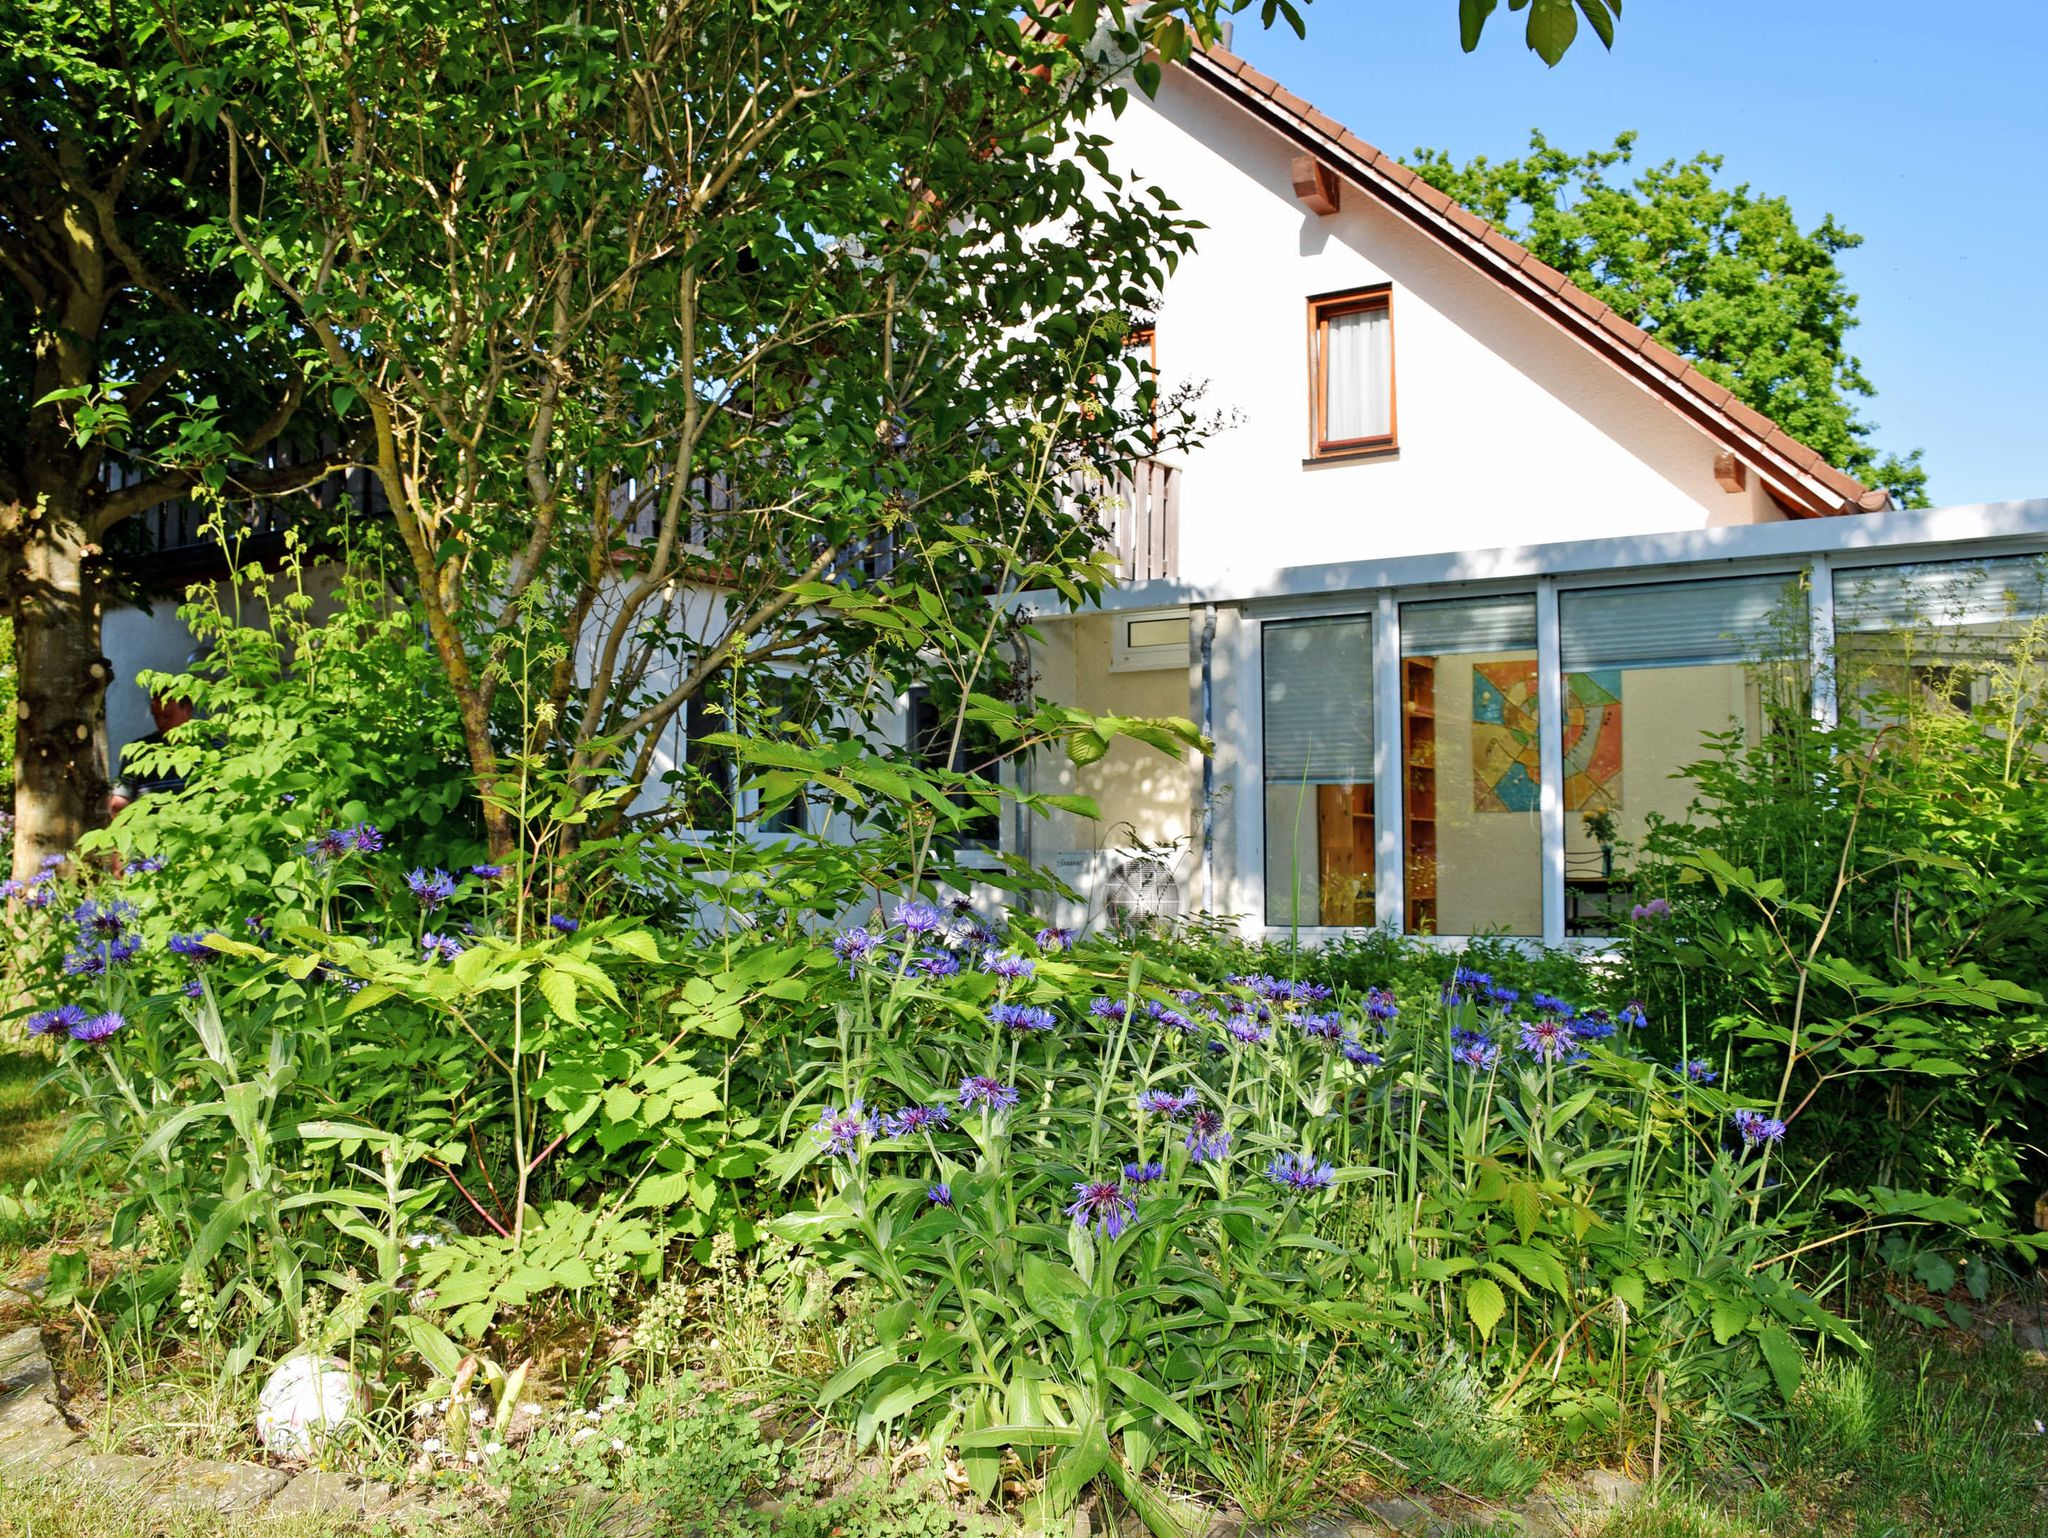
[(1360, 382)]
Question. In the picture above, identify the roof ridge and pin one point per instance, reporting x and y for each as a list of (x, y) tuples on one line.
[(1813, 485)]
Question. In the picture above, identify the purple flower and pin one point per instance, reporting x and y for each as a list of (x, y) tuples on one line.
[(364, 838), (1593, 1025), (148, 865), (917, 916), (853, 946), (1009, 965), (50, 862), (979, 1089), (1105, 1204), (939, 1194), (102, 921), (65, 1017), (1504, 997), (1324, 1027), (431, 890), (194, 988), (1300, 1172), (1632, 1015), (914, 1119), (12, 888), (1550, 1040), (194, 947), (1247, 1030), (841, 1131), (439, 947), (936, 964), (94, 959), (487, 872), (1144, 1174), (1022, 1017), (1206, 1141), (1171, 1019), (98, 1028), (1356, 1051), (562, 924), (1380, 1005), (1550, 1004), (1055, 939), (1757, 1128), (331, 845), (41, 895), (255, 926), (1107, 1009), (1172, 1104), (1650, 912), (1699, 1070), (1479, 1054)]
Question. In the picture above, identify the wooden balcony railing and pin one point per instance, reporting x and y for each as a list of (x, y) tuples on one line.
[(1139, 515)]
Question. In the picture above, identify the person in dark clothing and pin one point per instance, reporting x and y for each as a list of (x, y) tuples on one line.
[(131, 784)]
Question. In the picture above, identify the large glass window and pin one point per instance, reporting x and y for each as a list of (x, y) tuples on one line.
[(1471, 771), (1940, 632), (1649, 671), (1319, 745)]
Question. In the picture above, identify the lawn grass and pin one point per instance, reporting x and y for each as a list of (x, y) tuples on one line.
[(31, 1119)]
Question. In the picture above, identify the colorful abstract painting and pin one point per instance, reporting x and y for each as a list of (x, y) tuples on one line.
[(1507, 770)]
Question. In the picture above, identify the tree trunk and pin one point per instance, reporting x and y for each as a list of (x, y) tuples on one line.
[(60, 778)]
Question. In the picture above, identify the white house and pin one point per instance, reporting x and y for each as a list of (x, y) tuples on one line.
[(1480, 558)]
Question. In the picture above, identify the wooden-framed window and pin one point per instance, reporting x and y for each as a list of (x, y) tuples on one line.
[(1351, 372)]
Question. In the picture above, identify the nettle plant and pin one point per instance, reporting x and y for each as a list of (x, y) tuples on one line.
[(1096, 1195)]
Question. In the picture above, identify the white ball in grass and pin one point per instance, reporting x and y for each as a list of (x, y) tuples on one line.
[(307, 1399)]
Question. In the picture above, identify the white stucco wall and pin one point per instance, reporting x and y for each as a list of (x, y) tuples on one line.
[(1510, 432)]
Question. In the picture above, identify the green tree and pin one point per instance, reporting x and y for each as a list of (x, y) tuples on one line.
[(1720, 274), (132, 365)]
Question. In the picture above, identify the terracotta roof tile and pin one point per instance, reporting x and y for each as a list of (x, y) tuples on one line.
[(1545, 288)]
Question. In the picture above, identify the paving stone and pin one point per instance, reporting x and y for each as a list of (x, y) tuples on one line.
[(318, 1491), (1610, 1488), (23, 1364), (1400, 1513), (212, 1485), (1540, 1518)]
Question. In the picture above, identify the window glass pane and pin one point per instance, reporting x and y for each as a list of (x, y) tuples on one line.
[(1938, 632), (1318, 763), (1649, 671), (1359, 379), (1471, 833)]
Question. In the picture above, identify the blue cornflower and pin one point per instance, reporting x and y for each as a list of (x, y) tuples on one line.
[(1478, 1054), (13, 887), (364, 838), (98, 1028), (487, 872), (41, 894), (914, 1119), (1144, 1174), (148, 865), (1022, 1017), (939, 1194), (1504, 997), (842, 1131), (1300, 1172), (916, 916), (1105, 1204), (1322, 1027), (331, 845), (979, 1089), (853, 946), (1172, 1104), (439, 947), (194, 947), (1699, 1070), (562, 924), (1055, 939), (1380, 1005), (1106, 1009), (102, 921), (256, 926), (1593, 1025), (1632, 1015), (49, 863), (1247, 1030), (194, 988), (65, 1017), (1550, 1040), (431, 890), (1757, 1128), (1168, 1017), (1008, 965), (94, 959), (1356, 1051), (936, 964), (1206, 1140)]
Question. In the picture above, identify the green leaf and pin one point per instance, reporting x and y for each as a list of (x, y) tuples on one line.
[(1783, 1358), (1472, 16), (559, 989), (1484, 1305)]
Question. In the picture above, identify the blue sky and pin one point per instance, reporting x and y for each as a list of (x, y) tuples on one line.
[(1924, 128)]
